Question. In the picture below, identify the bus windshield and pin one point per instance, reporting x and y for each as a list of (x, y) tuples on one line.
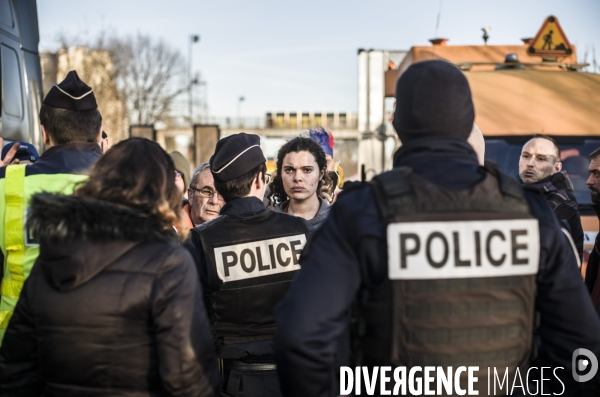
[(575, 151)]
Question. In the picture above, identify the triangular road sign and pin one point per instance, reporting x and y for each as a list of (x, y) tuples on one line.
[(550, 40)]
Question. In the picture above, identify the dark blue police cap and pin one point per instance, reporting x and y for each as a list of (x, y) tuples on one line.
[(71, 94), (26, 152), (236, 155)]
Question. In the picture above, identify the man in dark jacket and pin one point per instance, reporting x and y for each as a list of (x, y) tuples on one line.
[(246, 260), (347, 262), (71, 130), (592, 275), (540, 167)]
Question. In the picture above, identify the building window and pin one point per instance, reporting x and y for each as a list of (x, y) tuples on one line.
[(293, 121), (342, 122), (305, 120), (318, 119), (279, 121)]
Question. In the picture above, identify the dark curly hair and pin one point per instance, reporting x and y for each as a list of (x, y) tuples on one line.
[(296, 145)]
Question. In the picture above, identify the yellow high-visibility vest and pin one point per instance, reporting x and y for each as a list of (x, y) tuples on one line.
[(20, 249)]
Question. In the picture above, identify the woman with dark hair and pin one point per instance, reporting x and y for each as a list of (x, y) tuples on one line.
[(301, 171), (113, 305)]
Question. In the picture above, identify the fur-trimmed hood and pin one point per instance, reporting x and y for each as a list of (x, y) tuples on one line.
[(81, 236)]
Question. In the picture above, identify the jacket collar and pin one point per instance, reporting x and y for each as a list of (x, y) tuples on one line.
[(79, 146), (556, 181), (243, 207), (446, 161)]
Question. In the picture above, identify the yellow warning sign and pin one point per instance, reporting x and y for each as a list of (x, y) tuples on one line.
[(550, 40)]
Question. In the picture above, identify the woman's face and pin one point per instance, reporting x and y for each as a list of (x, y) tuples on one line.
[(300, 174)]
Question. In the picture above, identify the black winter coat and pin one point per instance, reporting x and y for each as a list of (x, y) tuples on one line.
[(112, 307)]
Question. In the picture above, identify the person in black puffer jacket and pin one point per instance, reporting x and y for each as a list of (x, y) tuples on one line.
[(113, 306)]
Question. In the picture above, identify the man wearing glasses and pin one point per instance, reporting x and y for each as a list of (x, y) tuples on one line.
[(204, 201), (246, 260)]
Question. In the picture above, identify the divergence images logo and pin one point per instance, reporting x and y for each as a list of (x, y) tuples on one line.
[(580, 364)]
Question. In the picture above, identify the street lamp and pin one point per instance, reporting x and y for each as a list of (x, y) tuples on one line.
[(239, 111), (193, 39)]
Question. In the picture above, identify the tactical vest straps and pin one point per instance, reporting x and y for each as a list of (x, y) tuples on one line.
[(508, 186), (14, 232), (14, 240), (400, 191)]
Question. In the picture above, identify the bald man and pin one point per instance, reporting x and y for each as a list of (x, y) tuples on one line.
[(539, 167)]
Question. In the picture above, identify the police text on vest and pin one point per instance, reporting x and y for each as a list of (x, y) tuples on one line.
[(259, 258), (462, 249)]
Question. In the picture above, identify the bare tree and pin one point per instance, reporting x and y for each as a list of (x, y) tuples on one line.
[(148, 74), (136, 79), (94, 66)]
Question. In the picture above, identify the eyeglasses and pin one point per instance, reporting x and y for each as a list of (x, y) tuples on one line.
[(178, 175), (207, 192), (268, 179)]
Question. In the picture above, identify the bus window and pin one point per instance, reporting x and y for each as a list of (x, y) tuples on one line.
[(575, 151), (11, 82), (6, 18)]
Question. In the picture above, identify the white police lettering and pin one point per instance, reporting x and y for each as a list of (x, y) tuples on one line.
[(259, 258), (462, 249)]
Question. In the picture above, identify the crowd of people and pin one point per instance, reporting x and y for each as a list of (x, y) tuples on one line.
[(125, 273)]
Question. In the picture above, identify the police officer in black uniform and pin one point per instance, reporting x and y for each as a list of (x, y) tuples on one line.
[(444, 261), (246, 260)]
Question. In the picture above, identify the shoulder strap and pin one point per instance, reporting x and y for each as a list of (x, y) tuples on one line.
[(14, 230), (394, 183), (14, 191), (393, 192), (400, 191), (508, 186)]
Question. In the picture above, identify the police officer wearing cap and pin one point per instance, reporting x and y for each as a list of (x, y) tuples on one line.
[(447, 264), (25, 154), (246, 260), (71, 126)]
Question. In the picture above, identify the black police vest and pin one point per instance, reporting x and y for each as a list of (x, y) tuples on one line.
[(479, 311), (251, 262)]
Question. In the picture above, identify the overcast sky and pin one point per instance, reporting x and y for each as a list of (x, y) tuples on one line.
[(288, 55)]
